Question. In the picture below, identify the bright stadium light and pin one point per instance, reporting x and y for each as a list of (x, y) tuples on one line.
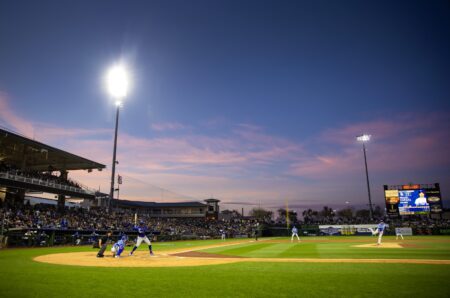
[(117, 82), (363, 139)]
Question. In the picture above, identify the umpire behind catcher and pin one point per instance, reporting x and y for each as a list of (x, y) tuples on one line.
[(103, 243)]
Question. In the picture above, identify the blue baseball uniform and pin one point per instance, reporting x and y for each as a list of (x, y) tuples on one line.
[(142, 237), (294, 233), (141, 231), (118, 248), (380, 230)]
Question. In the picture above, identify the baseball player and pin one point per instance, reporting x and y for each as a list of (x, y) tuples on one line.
[(224, 235), (256, 230), (142, 237), (379, 230), (103, 243), (77, 238), (398, 232), (294, 233), (118, 247)]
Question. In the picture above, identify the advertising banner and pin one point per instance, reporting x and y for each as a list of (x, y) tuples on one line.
[(348, 229), (434, 200), (404, 231), (392, 201)]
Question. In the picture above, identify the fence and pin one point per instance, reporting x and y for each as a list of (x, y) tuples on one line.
[(35, 181)]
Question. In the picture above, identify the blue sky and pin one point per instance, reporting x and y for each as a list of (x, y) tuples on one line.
[(249, 101)]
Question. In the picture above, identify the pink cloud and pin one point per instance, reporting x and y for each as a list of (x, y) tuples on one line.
[(49, 133), (9, 119), (403, 124), (326, 166), (168, 126), (245, 162), (398, 144)]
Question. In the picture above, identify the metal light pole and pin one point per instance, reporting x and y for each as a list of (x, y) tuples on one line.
[(113, 174), (117, 84), (363, 139)]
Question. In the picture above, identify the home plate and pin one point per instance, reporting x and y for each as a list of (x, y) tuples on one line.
[(383, 245)]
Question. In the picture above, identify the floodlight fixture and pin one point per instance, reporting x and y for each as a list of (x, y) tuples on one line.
[(363, 138), (117, 82)]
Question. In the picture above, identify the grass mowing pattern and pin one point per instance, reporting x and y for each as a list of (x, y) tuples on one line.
[(437, 248), (22, 277)]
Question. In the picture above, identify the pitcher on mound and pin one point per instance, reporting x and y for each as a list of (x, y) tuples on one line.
[(379, 230)]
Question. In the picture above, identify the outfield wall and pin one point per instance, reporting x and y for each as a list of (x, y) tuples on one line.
[(349, 230), (54, 237), (46, 237)]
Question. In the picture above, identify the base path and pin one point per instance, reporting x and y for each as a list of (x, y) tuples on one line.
[(193, 257)]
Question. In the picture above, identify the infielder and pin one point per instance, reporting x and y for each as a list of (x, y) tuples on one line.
[(256, 231), (294, 233), (118, 247), (379, 230), (142, 237), (398, 232)]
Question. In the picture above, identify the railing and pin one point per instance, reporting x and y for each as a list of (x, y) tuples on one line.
[(35, 181)]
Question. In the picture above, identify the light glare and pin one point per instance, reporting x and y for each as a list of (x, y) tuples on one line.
[(363, 138), (117, 82)]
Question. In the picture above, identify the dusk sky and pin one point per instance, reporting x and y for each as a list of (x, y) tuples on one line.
[(252, 102)]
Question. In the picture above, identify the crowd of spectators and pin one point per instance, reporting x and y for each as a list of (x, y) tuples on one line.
[(344, 220), (44, 217), (47, 217), (420, 222), (48, 176)]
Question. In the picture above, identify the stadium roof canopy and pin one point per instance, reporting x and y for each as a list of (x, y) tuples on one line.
[(23, 152), (141, 204)]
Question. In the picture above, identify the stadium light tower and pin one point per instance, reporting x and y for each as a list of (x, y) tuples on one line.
[(363, 139), (117, 84)]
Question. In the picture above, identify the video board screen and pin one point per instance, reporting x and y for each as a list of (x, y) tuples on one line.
[(413, 199), (413, 202)]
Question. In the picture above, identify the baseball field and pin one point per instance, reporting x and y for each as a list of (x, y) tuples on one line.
[(417, 266)]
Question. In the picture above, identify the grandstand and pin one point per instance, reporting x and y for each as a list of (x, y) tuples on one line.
[(210, 210), (28, 166)]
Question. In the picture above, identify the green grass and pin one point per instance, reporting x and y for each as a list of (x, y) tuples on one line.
[(427, 247), (20, 276)]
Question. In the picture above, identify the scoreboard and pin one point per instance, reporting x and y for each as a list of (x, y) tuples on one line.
[(413, 199)]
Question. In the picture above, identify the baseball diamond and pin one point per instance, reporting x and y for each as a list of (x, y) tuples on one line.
[(246, 148), (316, 267)]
